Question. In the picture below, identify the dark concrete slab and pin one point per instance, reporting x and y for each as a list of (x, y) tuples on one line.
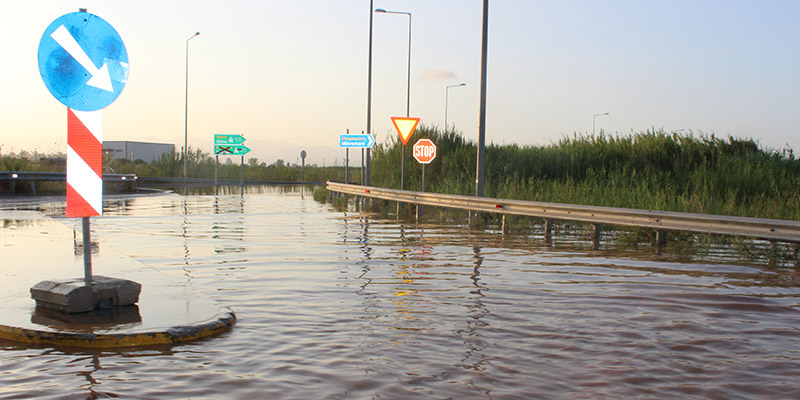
[(76, 296)]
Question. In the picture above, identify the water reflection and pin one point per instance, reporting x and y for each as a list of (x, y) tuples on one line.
[(366, 251), (77, 245), (89, 376), (185, 236), (474, 358), (105, 319), (228, 224)]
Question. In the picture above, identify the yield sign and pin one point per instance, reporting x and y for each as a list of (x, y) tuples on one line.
[(405, 127)]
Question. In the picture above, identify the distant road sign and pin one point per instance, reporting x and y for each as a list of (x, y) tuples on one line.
[(83, 61), (405, 127), (424, 151), (353, 140), (231, 150), (229, 139)]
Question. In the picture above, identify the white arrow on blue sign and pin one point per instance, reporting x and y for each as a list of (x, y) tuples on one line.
[(83, 61), (358, 141)]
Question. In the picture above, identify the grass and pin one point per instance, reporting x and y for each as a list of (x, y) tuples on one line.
[(648, 170)]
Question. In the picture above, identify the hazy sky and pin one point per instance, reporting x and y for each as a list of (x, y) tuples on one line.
[(292, 75)]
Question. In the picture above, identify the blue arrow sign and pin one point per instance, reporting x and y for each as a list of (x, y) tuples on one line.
[(231, 150), (353, 140), (229, 139), (83, 61)]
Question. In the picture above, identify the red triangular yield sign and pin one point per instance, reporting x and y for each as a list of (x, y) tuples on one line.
[(405, 127)]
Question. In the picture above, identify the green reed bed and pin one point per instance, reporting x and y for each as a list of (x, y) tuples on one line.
[(649, 170)]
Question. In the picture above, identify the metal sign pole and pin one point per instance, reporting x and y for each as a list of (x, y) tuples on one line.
[(420, 206), (87, 252), (347, 162), (303, 168), (423, 177)]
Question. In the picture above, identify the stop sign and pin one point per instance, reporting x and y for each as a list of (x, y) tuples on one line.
[(424, 151)]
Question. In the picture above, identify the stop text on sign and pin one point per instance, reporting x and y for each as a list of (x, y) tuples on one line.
[(424, 151)]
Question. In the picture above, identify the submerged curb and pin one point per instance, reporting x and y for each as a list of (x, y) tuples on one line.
[(173, 335)]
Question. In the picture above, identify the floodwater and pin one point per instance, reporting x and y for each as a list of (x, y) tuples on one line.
[(341, 305)]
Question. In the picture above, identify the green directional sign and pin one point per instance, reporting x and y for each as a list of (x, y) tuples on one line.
[(231, 150), (229, 139)]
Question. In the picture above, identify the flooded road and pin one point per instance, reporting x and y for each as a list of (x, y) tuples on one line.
[(341, 305)]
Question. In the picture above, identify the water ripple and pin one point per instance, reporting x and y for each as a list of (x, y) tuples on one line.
[(346, 305)]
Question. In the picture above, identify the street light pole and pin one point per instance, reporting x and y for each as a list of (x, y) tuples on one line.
[(186, 110), (481, 159), (594, 117), (446, 95), (408, 92), (369, 97)]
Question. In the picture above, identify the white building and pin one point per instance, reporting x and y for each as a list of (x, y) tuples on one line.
[(133, 151)]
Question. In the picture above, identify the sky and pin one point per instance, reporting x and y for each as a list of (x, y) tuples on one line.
[(292, 76)]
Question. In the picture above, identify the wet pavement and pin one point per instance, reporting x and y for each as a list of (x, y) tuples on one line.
[(34, 247)]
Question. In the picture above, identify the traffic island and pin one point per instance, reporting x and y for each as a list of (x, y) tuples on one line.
[(40, 303)]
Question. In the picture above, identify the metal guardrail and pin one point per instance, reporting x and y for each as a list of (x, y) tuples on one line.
[(770, 229), (33, 177), (58, 176), (62, 177), (144, 180)]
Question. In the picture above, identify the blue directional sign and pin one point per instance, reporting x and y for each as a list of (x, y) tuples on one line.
[(83, 61), (358, 141)]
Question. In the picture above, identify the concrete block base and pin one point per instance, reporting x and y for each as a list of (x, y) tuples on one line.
[(74, 296)]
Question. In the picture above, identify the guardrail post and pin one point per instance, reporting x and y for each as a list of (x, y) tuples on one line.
[(661, 238), (661, 241), (504, 226), (548, 231), (596, 236)]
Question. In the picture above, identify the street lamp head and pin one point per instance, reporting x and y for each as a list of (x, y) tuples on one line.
[(382, 11), (463, 84)]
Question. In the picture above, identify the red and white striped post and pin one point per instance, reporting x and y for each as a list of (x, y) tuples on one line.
[(84, 163), (85, 174)]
